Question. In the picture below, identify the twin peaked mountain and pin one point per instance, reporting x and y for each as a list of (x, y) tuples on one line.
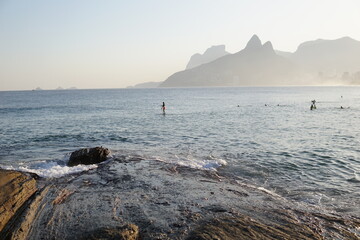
[(314, 62)]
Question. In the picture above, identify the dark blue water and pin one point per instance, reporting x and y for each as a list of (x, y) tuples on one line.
[(306, 156)]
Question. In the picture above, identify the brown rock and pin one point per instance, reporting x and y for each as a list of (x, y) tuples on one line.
[(88, 156), (15, 189), (25, 221), (126, 232), (63, 195), (234, 228)]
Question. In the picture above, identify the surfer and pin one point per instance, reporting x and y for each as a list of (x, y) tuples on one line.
[(163, 107)]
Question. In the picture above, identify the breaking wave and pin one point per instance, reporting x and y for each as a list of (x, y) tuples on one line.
[(50, 169)]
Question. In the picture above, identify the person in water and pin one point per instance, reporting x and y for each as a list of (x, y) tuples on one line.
[(313, 102), (163, 107), (313, 106)]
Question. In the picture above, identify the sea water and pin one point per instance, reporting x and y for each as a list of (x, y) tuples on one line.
[(262, 136)]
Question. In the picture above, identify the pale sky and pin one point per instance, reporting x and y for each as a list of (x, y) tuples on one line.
[(115, 44)]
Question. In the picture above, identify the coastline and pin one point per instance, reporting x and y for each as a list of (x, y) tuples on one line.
[(158, 200)]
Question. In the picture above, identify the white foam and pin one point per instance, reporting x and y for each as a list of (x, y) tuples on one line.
[(50, 169), (209, 163), (269, 192)]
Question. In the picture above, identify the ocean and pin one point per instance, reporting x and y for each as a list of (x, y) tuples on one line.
[(261, 136)]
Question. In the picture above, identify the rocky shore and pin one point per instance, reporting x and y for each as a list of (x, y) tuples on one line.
[(16, 189), (135, 198)]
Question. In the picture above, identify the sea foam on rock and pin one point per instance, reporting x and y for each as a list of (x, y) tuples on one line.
[(88, 156), (133, 198)]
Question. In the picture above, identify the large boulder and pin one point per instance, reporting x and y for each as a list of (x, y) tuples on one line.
[(88, 156), (15, 189)]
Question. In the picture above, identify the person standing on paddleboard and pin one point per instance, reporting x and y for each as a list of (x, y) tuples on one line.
[(163, 107)]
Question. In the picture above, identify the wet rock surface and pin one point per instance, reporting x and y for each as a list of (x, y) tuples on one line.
[(229, 228), (126, 232), (15, 190), (88, 156), (154, 200)]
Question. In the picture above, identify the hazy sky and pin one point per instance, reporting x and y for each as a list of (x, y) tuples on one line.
[(114, 44)]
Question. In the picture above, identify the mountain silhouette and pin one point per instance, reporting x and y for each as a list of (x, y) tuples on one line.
[(256, 64), (314, 62), (146, 85), (329, 56), (209, 55)]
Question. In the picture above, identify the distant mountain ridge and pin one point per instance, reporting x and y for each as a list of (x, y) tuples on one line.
[(146, 85), (256, 64), (341, 55), (209, 55), (314, 62)]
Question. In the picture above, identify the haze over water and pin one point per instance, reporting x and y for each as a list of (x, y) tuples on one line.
[(115, 44), (307, 156)]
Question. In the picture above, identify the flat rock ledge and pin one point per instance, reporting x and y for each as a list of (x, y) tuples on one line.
[(15, 190), (126, 232), (131, 198), (243, 227)]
